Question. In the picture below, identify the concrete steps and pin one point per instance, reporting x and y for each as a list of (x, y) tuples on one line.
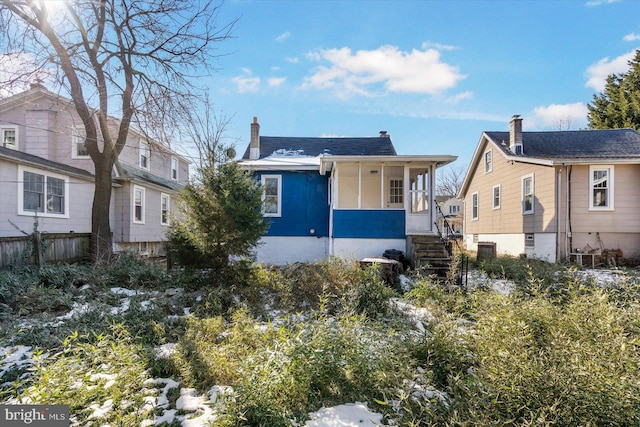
[(429, 254)]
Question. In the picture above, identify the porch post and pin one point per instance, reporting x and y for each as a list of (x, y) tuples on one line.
[(432, 197)]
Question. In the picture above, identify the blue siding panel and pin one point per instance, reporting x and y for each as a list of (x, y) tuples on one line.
[(305, 204), (371, 224)]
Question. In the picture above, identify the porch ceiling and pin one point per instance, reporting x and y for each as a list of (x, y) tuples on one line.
[(327, 161)]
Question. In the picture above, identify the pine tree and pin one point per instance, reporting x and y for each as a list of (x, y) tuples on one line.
[(618, 106), (222, 216)]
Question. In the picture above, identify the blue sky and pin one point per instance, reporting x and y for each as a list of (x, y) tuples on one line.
[(434, 74)]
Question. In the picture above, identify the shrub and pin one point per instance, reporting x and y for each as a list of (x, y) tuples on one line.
[(573, 364)]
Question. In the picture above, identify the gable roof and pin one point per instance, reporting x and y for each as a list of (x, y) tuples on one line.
[(344, 146), (558, 147), (29, 159), (582, 144)]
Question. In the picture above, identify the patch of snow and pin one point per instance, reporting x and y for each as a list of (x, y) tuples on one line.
[(406, 283), (124, 291), (76, 311), (418, 314), (15, 357), (100, 411), (165, 351), (347, 415)]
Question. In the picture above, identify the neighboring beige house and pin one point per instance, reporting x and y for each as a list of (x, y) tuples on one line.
[(453, 212), (552, 194), (47, 173)]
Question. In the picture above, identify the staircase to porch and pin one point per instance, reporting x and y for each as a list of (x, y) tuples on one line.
[(429, 254)]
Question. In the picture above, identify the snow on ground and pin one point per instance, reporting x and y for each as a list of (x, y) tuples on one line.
[(193, 410), (347, 415)]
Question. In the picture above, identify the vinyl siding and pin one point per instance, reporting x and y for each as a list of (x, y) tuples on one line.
[(80, 196), (509, 218), (305, 205)]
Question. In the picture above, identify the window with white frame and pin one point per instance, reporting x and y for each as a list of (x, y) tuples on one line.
[(9, 137), (496, 196), (488, 161), (474, 206), (174, 169), (272, 195), (527, 194), (453, 209), (529, 240), (601, 187), (138, 204), (396, 191), (42, 194), (165, 208), (78, 144), (144, 155)]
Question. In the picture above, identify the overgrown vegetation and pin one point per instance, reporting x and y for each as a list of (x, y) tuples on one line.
[(120, 344)]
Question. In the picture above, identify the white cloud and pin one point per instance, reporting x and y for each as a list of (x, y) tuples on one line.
[(561, 116), (631, 37), (598, 72), (459, 97), (367, 72), (282, 37), (246, 83), (293, 60), (593, 3), (438, 46), (276, 81)]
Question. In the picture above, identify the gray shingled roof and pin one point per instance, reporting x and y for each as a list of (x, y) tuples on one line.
[(369, 146), (605, 144), (21, 157), (128, 171)]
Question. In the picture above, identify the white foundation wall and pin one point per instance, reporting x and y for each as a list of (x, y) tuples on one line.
[(282, 250), (363, 248), (513, 245)]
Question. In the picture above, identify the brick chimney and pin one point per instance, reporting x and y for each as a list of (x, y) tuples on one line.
[(515, 135), (254, 145), (384, 134)]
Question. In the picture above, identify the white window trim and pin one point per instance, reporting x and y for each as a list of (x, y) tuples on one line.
[(14, 128), (142, 146), (21, 211), (168, 197), (533, 194), (177, 168), (477, 199), (610, 192), (484, 158), (493, 196), (76, 133), (263, 178), (133, 205)]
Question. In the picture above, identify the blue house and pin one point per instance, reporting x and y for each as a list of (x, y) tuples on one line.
[(349, 197)]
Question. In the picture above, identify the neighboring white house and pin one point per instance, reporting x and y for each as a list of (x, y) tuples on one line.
[(47, 175)]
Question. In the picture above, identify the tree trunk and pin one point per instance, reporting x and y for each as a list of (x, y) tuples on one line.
[(101, 237)]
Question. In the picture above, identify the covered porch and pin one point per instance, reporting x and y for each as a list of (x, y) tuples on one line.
[(377, 201)]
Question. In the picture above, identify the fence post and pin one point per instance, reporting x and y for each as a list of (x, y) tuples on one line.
[(37, 249)]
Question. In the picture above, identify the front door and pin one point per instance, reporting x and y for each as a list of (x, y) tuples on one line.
[(419, 205)]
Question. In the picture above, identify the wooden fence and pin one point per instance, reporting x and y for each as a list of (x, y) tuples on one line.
[(40, 248)]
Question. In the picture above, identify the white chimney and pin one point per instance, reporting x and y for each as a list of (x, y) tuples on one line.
[(254, 145), (515, 135)]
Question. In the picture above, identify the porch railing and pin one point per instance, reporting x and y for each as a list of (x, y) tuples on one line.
[(449, 238)]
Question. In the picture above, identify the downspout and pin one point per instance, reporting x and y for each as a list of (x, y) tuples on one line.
[(333, 187), (558, 210), (569, 246)]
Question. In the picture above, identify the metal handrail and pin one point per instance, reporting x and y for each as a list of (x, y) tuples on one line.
[(447, 238)]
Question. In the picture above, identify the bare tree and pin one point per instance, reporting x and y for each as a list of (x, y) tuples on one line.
[(136, 59), (449, 180), (563, 123)]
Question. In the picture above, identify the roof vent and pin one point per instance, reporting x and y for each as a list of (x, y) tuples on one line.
[(384, 134)]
